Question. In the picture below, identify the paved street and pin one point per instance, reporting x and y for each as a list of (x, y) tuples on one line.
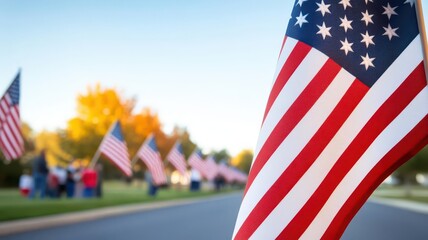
[(214, 219)]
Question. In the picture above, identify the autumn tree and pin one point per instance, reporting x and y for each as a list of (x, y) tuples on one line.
[(97, 109), (243, 160)]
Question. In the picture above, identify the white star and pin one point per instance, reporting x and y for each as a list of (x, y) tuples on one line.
[(346, 46), (324, 31), (301, 20), (367, 39), (367, 1), (389, 11), (367, 17), (411, 2), (367, 61), (346, 24), (300, 2), (323, 8), (345, 3), (390, 32)]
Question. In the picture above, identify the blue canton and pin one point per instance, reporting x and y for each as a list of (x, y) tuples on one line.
[(13, 90), (363, 36), (117, 132), (152, 144)]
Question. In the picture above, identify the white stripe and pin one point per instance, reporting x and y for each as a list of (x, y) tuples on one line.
[(289, 45), (13, 144), (313, 177), (294, 143), (396, 131), (7, 146), (304, 74)]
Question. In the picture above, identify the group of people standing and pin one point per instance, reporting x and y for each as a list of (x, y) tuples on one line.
[(54, 182)]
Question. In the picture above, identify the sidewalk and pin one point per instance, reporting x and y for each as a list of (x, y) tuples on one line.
[(404, 204), (24, 225)]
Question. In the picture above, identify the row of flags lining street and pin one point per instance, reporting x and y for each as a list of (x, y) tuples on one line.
[(113, 147)]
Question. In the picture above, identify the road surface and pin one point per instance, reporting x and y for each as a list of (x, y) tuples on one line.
[(214, 219)]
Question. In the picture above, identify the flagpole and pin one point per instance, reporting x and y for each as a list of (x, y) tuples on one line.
[(421, 24), (98, 152)]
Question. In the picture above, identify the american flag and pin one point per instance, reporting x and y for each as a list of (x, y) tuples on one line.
[(347, 107), (196, 161), (211, 168), (238, 175), (11, 141), (114, 148), (150, 155), (225, 171), (176, 158)]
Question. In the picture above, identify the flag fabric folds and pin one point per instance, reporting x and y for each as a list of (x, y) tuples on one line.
[(114, 148), (11, 141), (196, 161), (347, 107), (176, 158), (149, 154)]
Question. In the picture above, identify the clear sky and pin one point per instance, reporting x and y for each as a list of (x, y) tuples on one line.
[(204, 65)]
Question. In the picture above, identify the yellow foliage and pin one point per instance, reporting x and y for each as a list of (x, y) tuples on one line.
[(243, 160), (50, 141)]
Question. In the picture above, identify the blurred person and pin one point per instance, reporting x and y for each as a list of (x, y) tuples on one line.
[(40, 172), (79, 187), (25, 183), (152, 188), (70, 183), (99, 187), (61, 174), (52, 184), (195, 180), (89, 179)]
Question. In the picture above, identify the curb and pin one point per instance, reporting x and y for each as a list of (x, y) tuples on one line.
[(403, 204), (18, 226)]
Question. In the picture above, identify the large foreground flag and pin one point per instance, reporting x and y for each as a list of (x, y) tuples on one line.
[(149, 154), (176, 158), (11, 142), (114, 148), (348, 105)]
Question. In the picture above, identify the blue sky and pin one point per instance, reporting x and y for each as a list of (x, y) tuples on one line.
[(205, 65)]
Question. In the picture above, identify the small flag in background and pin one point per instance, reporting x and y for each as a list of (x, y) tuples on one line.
[(225, 171), (348, 106), (11, 141), (114, 148), (196, 161), (211, 168), (176, 158), (149, 154)]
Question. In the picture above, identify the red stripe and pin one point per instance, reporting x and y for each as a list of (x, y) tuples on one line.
[(304, 160), (293, 61), (124, 171), (293, 116), (389, 110), (402, 152)]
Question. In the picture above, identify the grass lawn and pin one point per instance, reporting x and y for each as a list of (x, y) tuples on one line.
[(13, 206), (412, 193)]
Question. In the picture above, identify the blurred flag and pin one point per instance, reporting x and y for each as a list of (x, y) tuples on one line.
[(11, 141), (238, 175), (149, 154), (211, 168), (348, 106), (224, 171), (176, 158), (196, 161), (114, 148)]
